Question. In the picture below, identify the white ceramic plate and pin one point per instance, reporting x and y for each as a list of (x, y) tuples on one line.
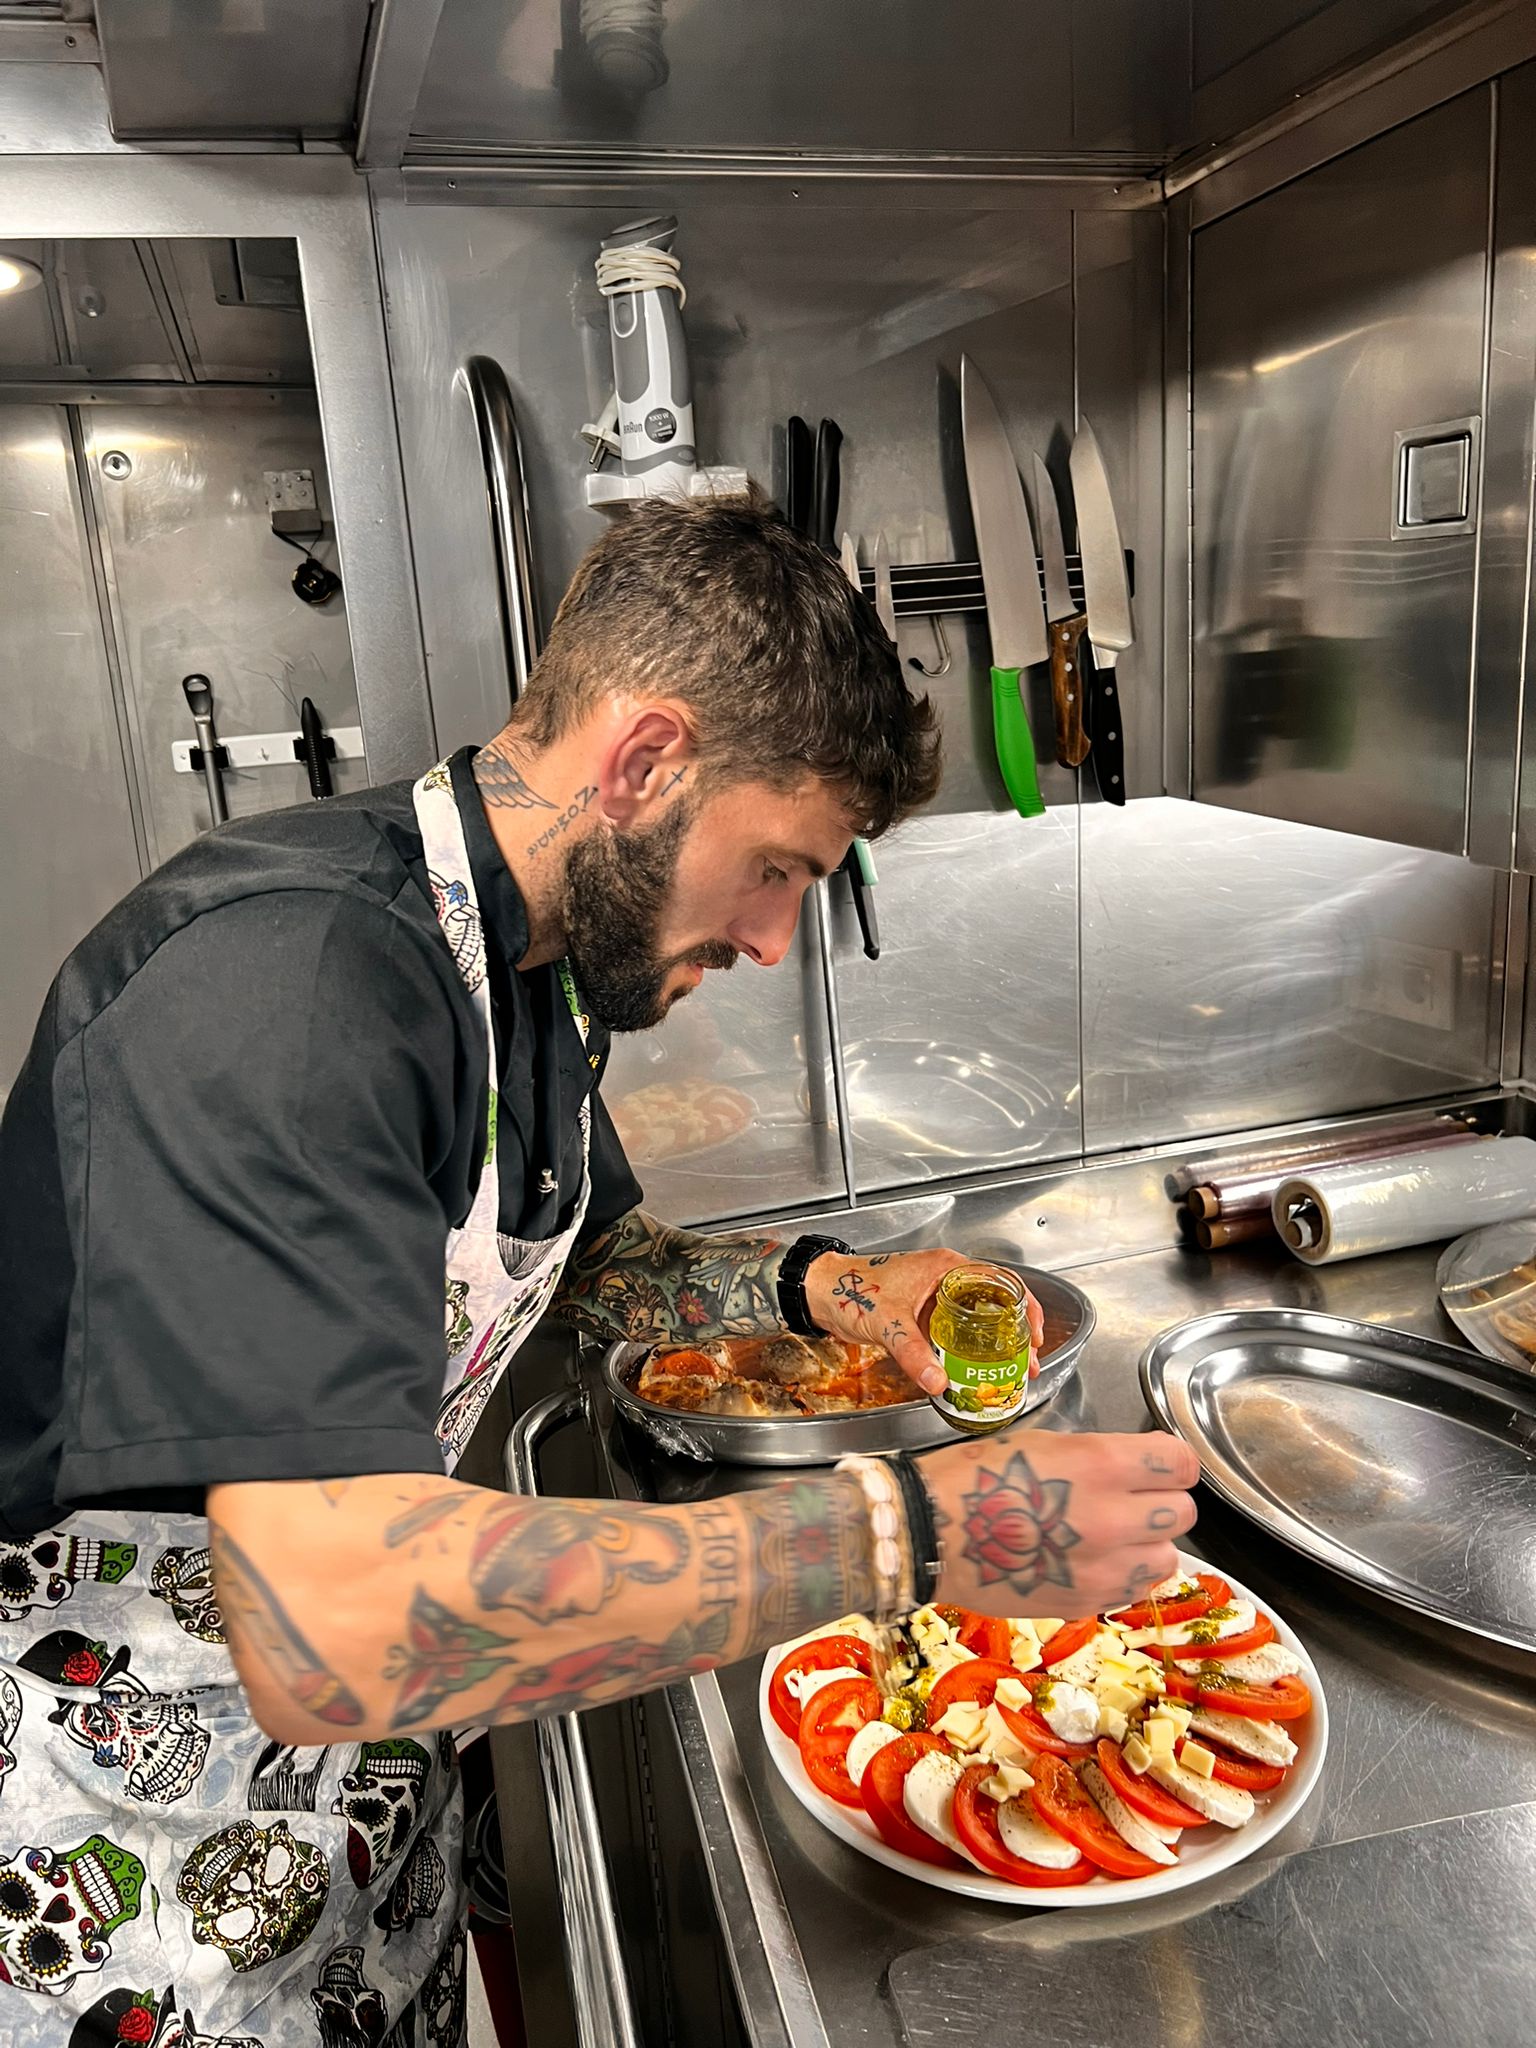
[(1202, 1852)]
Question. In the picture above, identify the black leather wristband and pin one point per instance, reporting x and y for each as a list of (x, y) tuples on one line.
[(921, 1527), (793, 1267)]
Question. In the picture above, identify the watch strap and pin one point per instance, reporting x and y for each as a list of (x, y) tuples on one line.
[(793, 1267)]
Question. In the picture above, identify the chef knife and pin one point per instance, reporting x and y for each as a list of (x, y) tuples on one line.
[(1107, 595), (1015, 615), (799, 461), (859, 861), (1064, 624), (824, 495)]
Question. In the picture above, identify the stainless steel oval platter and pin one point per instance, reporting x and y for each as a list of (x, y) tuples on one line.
[(818, 1439), (1408, 1466)]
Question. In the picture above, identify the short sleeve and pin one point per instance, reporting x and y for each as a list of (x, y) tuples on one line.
[(615, 1191), (248, 1140)]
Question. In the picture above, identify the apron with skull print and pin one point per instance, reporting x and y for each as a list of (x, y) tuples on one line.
[(169, 1877)]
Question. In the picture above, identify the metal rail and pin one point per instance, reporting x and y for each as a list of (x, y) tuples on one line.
[(594, 1956), (502, 453)]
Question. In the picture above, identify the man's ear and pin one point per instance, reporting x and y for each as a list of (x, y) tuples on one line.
[(648, 757)]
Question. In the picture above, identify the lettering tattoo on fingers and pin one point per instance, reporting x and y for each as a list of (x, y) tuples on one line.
[(1158, 1463), (503, 785), (258, 1613), (1160, 1519), (1139, 1581), (1016, 1528)]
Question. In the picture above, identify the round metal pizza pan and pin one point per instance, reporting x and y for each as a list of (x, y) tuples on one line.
[(913, 1425)]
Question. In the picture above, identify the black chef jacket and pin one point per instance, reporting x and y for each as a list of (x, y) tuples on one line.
[(254, 1105)]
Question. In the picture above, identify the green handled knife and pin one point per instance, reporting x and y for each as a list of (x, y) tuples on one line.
[(1011, 579)]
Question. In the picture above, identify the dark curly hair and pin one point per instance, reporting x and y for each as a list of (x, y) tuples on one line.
[(784, 667)]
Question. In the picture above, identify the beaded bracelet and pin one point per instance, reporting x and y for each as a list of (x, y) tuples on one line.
[(891, 1552)]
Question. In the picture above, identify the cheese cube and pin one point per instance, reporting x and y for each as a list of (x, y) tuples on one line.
[(1159, 1735), (1024, 1645), (1119, 1697), (999, 1741), (1012, 1692), (1178, 1713), (962, 1723), (1194, 1756), (1006, 1782), (1112, 1722), (1046, 1629), (1138, 1756)]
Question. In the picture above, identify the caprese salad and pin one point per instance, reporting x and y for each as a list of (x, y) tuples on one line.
[(1050, 1752)]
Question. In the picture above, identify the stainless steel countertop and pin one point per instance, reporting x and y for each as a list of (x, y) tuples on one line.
[(1426, 1729)]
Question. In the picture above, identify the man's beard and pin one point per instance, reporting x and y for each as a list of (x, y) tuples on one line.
[(615, 895)]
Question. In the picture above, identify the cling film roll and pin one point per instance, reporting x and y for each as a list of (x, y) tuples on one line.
[(1354, 1208)]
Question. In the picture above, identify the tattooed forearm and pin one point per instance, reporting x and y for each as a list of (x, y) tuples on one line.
[(567, 1558), (252, 1610), (645, 1281), (464, 1605), (502, 783), (426, 1514)]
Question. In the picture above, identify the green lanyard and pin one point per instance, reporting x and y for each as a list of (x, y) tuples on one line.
[(573, 999)]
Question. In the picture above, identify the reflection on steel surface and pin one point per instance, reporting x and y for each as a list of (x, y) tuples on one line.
[(1332, 663), (1407, 1465)]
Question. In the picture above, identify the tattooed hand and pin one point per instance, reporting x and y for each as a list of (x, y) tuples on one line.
[(1042, 1522), (887, 1299)]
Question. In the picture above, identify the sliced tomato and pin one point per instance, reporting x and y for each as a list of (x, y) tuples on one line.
[(1262, 1632), (880, 1796), (1062, 1802), (1032, 1729), (976, 1679), (1144, 1795), (1212, 1592), (986, 1635), (1069, 1637), (1241, 1770), (1287, 1699), (835, 1715), (825, 1653), (977, 1825)]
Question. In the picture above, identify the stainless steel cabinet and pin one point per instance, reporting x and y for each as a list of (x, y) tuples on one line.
[(64, 778), (1338, 348)]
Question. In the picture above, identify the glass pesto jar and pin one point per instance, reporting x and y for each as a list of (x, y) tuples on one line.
[(981, 1333)]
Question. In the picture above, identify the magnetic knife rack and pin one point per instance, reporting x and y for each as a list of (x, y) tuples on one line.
[(921, 590)]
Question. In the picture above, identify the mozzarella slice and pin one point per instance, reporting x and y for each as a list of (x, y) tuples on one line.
[(1129, 1826), (851, 1625), (1070, 1711), (1228, 1805), (1265, 1741), (1027, 1835), (1237, 1618), (1170, 1589), (1085, 1666), (872, 1736), (1264, 1665), (928, 1794), (804, 1685)]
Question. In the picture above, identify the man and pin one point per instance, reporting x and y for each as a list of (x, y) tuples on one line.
[(313, 1065)]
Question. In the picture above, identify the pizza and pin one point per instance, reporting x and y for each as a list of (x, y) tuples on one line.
[(669, 1119)]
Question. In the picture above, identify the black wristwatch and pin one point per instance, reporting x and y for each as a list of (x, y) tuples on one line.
[(793, 1306)]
